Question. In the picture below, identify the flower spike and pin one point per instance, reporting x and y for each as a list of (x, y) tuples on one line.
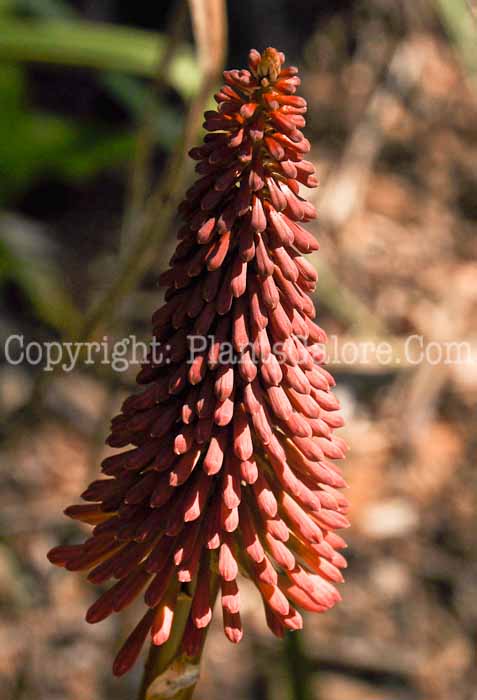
[(229, 461)]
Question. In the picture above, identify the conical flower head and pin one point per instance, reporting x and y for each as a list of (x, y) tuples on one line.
[(228, 469)]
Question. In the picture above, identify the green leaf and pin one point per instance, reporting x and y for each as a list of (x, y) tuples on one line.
[(96, 45)]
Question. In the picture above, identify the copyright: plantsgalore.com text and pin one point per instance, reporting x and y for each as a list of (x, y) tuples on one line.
[(121, 354)]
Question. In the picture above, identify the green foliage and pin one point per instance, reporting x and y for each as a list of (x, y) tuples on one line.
[(35, 142), (40, 142), (96, 45)]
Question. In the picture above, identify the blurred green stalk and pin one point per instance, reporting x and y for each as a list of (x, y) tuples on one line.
[(297, 667), (96, 45), (460, 23)]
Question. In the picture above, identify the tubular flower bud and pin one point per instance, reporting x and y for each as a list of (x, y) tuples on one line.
[(227, 466)]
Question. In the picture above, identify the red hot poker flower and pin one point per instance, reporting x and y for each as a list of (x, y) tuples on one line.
[(230, 461)]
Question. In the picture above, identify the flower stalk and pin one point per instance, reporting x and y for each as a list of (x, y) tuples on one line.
[(161, 658)]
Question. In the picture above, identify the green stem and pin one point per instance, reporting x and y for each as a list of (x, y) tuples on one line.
[(160, 658), (298, 670), (166, 667)]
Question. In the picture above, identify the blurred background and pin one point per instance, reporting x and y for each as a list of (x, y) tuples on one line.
[(98, 100)]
